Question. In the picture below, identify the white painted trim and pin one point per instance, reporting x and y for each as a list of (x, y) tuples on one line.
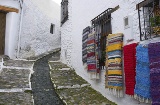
[(14, 90), (20, 29)]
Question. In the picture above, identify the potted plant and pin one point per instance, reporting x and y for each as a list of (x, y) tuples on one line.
[(155, 23)]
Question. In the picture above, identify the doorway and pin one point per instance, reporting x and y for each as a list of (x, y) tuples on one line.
[(2, 32)]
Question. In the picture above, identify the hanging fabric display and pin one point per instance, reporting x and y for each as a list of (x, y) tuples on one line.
[(142, 87), (129, 67), (91, 55), (114, 81), (86, 31), (97, 46), (154, 60)]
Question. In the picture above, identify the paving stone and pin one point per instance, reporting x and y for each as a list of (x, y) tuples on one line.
[(44, 54), (13, 78), (18, 63), (57, 65), (66, 78), (73, 89), (83, 96), (16, 98), (43, 90)]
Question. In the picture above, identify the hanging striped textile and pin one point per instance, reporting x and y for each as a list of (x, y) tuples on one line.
[(114, 79), (142, 87), (154, 61), (86, 31), (130, 67), (97, 46), (91, 57)]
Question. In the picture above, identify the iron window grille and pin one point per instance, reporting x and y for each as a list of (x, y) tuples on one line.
[(149, 19), (64, 11), (102, 24)]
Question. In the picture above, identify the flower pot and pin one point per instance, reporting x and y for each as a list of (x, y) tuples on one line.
[(156, 30)]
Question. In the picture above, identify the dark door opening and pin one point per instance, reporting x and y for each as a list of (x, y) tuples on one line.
[(2, 32)]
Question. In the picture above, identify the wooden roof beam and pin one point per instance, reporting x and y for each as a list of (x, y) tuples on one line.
[(8, 9), (143, 3)]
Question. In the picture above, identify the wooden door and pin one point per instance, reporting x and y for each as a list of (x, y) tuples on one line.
[(2, 32)]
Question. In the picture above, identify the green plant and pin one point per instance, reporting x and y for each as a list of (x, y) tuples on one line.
[(155, 21)]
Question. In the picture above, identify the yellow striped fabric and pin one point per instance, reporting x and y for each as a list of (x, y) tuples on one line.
[(115, 61), (113, 47), (114, 35), (114, 72)]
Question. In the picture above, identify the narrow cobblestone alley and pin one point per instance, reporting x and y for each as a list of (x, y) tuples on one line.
[(43, 91)]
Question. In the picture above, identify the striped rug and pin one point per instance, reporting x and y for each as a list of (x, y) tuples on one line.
[(86, 31), (154, 61), (114, 79), (91, 54)]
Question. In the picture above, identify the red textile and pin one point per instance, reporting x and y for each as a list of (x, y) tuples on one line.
[(91, 41), (92, 66), (130, 67), (91, 54)]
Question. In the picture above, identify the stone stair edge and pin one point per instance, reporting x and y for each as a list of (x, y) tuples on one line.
[(44, 54)]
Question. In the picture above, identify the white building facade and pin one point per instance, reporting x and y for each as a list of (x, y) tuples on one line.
[(80, 14), (33, 30)]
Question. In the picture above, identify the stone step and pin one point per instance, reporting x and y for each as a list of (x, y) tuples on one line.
[(14, 78), (83, 96), (73, 89), (54, 65), (16, 98), (66, 78), (54, 58), (18, 63), (5, 57)]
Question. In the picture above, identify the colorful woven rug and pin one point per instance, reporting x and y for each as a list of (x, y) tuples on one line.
[(154, 60), (129, 67), (142, 87), (86, 31), (91, 56), (114, 79)]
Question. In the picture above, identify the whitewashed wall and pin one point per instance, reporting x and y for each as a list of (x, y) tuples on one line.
[(35, 36), (80, 15), (12, 27)]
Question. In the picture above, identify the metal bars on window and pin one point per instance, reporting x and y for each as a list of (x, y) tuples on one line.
[(102, 26), (64, 11), (149, 19)]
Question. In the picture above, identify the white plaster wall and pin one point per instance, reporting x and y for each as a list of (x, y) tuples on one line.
[(36, 37), (12, 28), (80, 14), (49, 7), (66, 38)]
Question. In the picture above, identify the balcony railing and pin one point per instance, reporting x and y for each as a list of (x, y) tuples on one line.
[(149, 19)]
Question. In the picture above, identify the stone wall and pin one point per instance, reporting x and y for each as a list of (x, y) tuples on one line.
[(80, 15), (35, 36)]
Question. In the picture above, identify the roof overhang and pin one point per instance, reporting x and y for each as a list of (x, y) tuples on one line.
[(8, 9), (143, 3)]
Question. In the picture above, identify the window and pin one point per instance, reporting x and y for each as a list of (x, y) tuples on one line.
[(52, 28), (126, 23), (149, 19), (64, 11), (102, 25)]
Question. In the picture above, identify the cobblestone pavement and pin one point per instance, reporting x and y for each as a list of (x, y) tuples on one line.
[(43, 90), (15, 88), (53, 83), (72, 88)]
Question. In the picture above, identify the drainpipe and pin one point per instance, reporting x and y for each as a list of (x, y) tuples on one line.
[(20, 28)]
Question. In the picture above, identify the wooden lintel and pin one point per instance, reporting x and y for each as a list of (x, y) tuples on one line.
[(8, 9), (143, 3), (106, 12)]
